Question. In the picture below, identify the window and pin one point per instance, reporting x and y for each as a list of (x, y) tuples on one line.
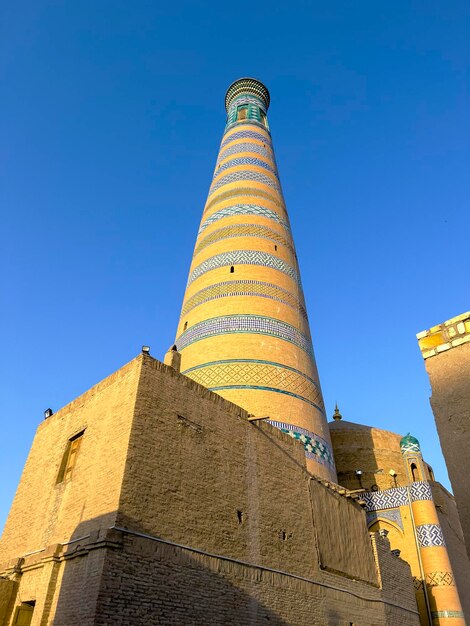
[(24, 614), (185, 325), (414, 472), (70, 457), (242, 113), (263, 119), (232, 269)]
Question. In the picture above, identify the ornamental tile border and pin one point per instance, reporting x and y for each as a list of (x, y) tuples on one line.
[(440, 579), (393, 515), (244, 257), (316, 447), (244, 288), (246, 146), (244, 209), (430, 535), (420, 490), (252, 324), (246, 134), (387, 499), (439, 614), (244, 175), (237, 161)]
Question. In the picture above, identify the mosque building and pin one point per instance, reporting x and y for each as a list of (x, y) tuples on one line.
[(211, 489)]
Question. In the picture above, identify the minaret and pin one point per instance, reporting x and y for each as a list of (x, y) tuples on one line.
[(442, 597), (243, 330)]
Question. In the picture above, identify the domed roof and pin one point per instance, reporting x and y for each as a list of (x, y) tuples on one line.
[(408, 443)]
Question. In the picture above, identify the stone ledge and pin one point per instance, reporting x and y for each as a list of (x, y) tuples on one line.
[(442, 337)]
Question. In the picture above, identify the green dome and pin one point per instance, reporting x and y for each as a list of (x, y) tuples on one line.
[(409, 444)]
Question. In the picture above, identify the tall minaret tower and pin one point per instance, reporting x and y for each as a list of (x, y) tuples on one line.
[(243, 330)]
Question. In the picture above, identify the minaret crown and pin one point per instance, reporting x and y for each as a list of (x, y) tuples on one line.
[(247, 99), (409, 444), (247, 87)]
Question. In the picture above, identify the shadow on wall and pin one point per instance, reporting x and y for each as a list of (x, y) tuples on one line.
[(121, 578)]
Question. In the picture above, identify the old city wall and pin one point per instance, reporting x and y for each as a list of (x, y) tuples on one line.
[(450, 401), (452, 531), (232, 495), (46, 512)]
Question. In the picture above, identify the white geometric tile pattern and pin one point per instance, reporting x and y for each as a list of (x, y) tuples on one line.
[(430, 535), (244, 257), (245, 175), (387, 499), (420, 490), (244, 209)]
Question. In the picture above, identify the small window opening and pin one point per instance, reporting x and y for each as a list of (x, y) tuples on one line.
[(240, 517), (242, 113), (284, 536), (70, 457), (263, 118), (414, 472), (232, 269), (24, 613), (275, 248), (185, 325)]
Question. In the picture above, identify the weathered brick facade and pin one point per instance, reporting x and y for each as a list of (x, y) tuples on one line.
[(179, 510)]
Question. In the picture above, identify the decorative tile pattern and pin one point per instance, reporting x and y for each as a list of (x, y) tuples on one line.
[(245, 99), (244, 288), (387, 499), (245, 175), (244, 209), (243, 230), (246, 134), (246, 191), (438, 614), (244, 257), (430, 535), (237, 161), (254, 324), (393, 515), (440, 579), (420, 490), (260, 375), (316, 447), (247, 146)]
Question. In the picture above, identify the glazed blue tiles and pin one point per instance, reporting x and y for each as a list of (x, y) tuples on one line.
[(245, 161), (255, 324), (244, 209), (244, 257), (315, 446), (430, 535), (245, 175)]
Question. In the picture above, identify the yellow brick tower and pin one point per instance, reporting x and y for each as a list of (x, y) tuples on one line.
[(441, 592), (243, 330)]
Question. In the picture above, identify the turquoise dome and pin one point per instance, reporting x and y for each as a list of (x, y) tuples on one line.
[(409, 444)]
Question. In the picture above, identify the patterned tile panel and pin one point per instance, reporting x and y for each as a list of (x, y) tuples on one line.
[(430, 535), (440, 579), (316, 447), (245, 147), (393, 515), (243, 230), (245, 175), (246, 191), (244, 209), (244, 288), (420, 490), (244, 257), (253, 324), (246, 134), (258, 374), (237, 161), (245, 100), (387, 499), (439, 614)]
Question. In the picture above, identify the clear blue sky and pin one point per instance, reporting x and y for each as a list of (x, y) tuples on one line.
[(111, 117)]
